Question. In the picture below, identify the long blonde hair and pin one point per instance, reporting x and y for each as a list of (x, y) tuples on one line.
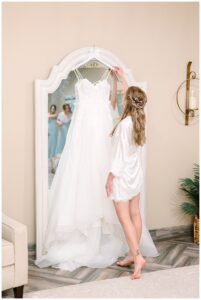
[(135, 101)]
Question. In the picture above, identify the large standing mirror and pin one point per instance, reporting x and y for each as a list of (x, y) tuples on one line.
[(55, 101)]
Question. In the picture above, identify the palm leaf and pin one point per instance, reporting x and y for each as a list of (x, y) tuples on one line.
[(189, 209), (191, 190)]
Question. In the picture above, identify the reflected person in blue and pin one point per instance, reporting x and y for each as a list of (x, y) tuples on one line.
[(63, 122), (52, 136)]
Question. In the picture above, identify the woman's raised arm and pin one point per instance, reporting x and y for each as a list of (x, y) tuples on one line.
[(120, 74)]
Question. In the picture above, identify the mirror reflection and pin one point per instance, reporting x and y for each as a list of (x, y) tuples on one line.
[(62, 102)]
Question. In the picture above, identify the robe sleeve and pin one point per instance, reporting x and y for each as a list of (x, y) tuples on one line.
[(121, 149)]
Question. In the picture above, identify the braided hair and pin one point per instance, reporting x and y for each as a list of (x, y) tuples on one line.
[(135, 99)]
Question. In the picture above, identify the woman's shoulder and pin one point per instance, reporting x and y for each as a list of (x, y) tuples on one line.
[(124, 126), (126, 122)]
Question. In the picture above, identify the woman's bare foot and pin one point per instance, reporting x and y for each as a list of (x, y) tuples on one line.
[(126, 262), (139, 264)]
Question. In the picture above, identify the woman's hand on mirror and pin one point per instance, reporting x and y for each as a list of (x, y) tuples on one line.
[(118, 71), (113, 74), (109, 183)]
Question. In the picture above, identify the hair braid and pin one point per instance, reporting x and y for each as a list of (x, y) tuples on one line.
[(135, 101)]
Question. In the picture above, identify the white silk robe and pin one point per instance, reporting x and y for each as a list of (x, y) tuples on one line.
[(125, 163)]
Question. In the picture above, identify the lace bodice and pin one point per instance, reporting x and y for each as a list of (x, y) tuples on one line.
[(88, 91)]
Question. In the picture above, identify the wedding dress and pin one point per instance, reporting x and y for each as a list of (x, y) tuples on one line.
[(83, 229)]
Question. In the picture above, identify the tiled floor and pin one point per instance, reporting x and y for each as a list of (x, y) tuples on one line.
[(175, 252)]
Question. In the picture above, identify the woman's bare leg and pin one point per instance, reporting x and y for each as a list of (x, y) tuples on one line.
[(137, 222), (123, 213), (136, 215)]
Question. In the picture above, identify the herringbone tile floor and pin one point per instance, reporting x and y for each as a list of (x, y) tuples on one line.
[(174, 252)]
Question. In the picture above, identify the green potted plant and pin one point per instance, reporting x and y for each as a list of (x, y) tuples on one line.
[(191, 190)]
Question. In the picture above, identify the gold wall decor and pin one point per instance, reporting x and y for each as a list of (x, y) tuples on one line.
[(191, 107)]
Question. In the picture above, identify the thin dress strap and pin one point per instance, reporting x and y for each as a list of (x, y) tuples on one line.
[(107, 72), (78, 74)]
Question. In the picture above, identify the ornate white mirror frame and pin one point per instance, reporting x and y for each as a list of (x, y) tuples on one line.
[(42, 89)]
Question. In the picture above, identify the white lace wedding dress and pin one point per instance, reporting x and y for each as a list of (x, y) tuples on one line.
[(83, 229)]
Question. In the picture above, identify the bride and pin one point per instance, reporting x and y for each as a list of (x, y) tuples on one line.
[(83, 229)]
